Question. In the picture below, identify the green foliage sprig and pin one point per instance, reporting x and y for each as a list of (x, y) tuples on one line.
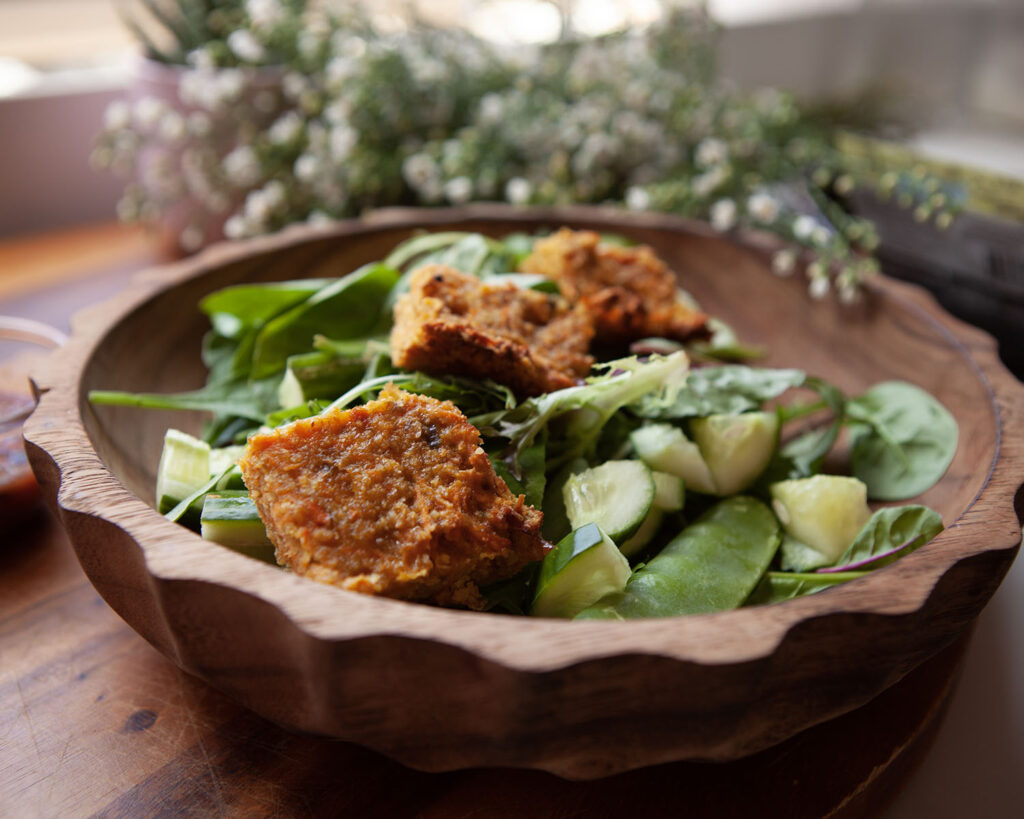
[(289, 112)]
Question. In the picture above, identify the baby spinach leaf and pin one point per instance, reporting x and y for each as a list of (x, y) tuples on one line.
[(802, 456), (727, 390), (774, 587), (890, 534), (903, 440), (348, 308), (235, 309)]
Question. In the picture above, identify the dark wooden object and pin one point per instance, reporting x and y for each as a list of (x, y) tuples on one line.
[(93, 721), (442, 689)]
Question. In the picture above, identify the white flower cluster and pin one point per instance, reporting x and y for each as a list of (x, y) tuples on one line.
[(351, 117)]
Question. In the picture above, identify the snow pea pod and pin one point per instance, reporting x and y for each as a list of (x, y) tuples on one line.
[(712, 565)]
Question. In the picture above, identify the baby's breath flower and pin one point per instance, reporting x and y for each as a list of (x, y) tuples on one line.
[(763, 207), (342, 140), (491, 109), (819, 287), (710, 151), (420, 171), (234, 227), (242, 166), (723, 215), (307, 168), (265, 14), (459, 190), (803, 227), (245, 46), (637, 198), (229, 84), (518, 190), (285, 129), (784, 262)]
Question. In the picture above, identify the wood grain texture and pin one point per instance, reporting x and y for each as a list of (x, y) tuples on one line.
[(94, 722), (440, 689)]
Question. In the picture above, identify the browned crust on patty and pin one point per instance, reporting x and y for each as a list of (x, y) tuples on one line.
[(452, 323), (628, 291), (394, 498)]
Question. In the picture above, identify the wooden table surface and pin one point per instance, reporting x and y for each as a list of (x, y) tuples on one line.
[(95, 721)]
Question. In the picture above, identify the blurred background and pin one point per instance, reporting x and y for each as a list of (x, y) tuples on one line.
[(117, 108), (952, 68)]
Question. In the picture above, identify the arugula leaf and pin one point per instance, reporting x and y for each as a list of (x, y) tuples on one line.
[(724, 390), (350, 307), (245, 399), (472, 397), (890, 534), (774, 587), (584, 410), (472, 253), (903, 440)]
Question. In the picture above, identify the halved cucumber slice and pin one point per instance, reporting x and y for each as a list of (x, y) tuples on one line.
[(648, 529), (584, 567), (665, 448), (825, 512), (230, 519), (184, 467), (736, 448), (617, 495), (669, 492)]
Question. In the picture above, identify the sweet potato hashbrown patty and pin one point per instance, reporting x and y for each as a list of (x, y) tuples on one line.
[(452, 323), (394, 497), (628, 291)]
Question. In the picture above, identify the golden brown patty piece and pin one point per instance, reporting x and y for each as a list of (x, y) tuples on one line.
[(628, 291), (395, 498), (452, 323)]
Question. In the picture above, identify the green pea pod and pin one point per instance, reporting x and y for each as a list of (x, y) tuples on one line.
[(712, 565)]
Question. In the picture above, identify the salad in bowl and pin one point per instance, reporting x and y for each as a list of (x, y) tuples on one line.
[(544, 425)]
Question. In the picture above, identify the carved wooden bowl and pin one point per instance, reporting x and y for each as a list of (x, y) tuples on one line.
[(441, 689)]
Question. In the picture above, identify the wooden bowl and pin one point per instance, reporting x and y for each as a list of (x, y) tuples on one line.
[(440, 689)]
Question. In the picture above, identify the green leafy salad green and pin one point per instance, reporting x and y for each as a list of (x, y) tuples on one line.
[(672, 481)]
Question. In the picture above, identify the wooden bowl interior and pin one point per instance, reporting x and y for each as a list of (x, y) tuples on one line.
[(156, 348)]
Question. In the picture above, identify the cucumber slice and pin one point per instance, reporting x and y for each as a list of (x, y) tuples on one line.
[(617, 495), (736, 448), (665, 448), (648, 529), (556, 522), (231, 519), (324, 375), (584, 567), (669, 492), (824, 512), (184, 467)]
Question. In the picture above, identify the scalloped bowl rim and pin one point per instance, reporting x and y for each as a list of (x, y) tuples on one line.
[(329, 613)]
